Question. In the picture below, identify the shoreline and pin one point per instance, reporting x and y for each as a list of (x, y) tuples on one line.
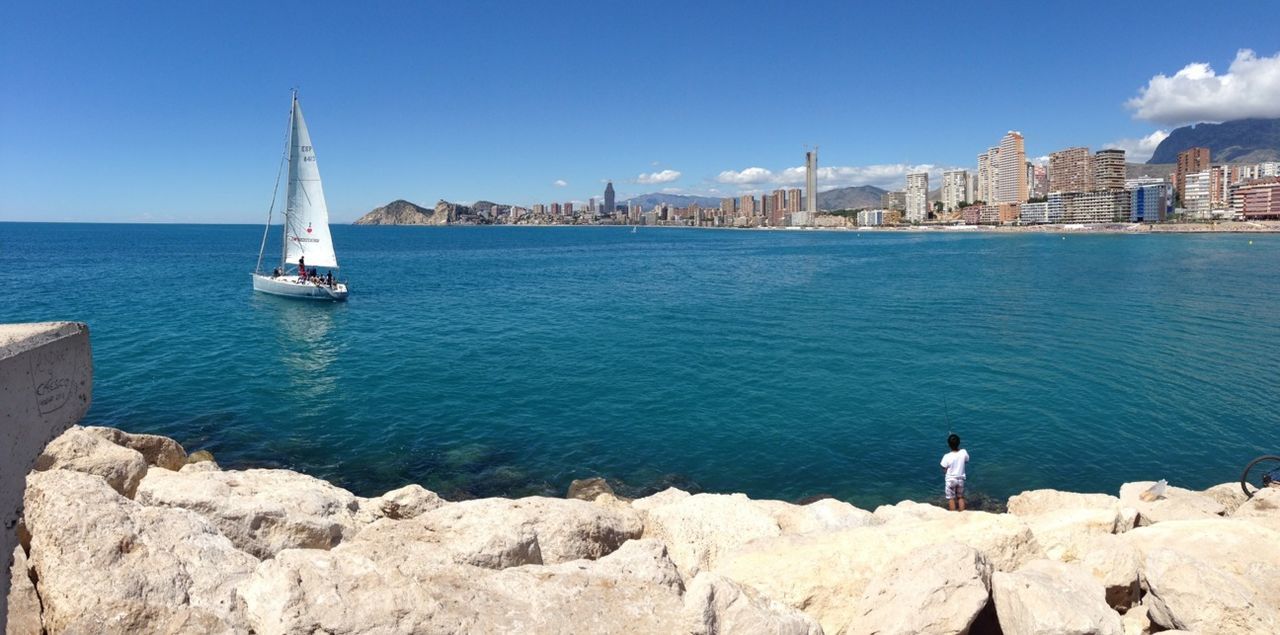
[(1226, 227), (125, 532)]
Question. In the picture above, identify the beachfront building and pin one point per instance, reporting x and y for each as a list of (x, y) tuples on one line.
[(1258, 200), (1148, 203), (1195, 194), (794, 198), (1039, 183), (1071, 170), (1034, 213), (1190, 161), (1108, 169), (894, 200), (1011, 170), (1101, 206), (871, 217), (955, 189), (917, 197)]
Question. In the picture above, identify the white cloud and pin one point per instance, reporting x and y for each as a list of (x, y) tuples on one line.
[(888, 176), (1139, 150), (665, 176), (561, 183), (1249, 88)]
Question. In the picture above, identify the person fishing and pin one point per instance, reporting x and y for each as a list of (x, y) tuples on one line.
[(953, 470), (302, 268)]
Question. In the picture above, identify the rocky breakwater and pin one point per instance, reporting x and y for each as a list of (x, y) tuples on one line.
[(126, 533)]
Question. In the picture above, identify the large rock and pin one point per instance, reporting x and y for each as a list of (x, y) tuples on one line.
[(1052, 598), (1040, 501), (79, 450), (1117, 565), (106, 564), (1212, 576), (700, 528), (1229, 495), (1064, 534), (665, 497), (826, 514), (588, 489), (633, 590), (719, 605), (826, 574), (156, 450), (1176, 504), (491, 545), (565, 529), (24, 603), (261, 511), (409, 501), (909, 512), (936, 589), (1263, 508)]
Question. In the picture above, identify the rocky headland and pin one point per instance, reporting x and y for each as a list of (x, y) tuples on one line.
[(126, 533)]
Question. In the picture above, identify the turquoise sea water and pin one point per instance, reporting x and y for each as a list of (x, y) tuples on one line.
[(481, 361)]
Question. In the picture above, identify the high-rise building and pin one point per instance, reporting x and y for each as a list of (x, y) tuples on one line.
[(955, 188), (568, 209), (1195, 196), (1071, 170), (1189, 162), (794, 197), (1039, 181), (747, 207), (917, 197), (1147, 203), (980, 179), (811, 182), (1011, 171), (1258, 199), (894, 200), (555, 209), (610, 206), (1108, 169), (728, 206)]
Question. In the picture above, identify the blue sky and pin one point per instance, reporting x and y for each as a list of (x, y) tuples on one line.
[(175, 111)]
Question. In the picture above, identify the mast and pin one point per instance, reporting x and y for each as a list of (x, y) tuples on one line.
[(275, 190), (284, 227)]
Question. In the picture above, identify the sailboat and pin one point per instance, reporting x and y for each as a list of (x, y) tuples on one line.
[(307, 244)]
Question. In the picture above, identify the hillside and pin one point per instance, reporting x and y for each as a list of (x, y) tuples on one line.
[(400, 212), (647, 201), (854, 197), (1242, 141)]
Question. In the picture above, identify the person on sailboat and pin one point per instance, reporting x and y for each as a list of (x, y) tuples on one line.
[(328, 278), (302, 268)]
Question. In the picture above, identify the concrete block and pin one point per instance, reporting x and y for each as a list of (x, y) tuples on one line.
[(46, 383)]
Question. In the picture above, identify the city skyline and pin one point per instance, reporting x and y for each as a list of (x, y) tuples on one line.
[(144, 112)]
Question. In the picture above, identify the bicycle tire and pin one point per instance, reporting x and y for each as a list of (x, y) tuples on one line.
[(1244, 477)]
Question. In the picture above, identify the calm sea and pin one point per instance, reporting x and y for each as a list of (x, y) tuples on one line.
[(481, 361)]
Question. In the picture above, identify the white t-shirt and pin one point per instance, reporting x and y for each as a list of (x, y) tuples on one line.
[(955, 463)]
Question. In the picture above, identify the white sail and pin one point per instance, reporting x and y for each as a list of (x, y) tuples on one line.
[(306, 216)]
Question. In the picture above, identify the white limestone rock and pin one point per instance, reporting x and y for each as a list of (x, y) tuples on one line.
[(425, 539), (1052, 598), (826, 574), (1040, 501), (1229, 495), (1176, 504), (565, 529), (261, 511), (1213, 576), (827, 514), (633, 590), (719, 605), (909, 512), (1136, 622), (156, 450), (79, 450), (665, 497), (699, 529), (406, 502), (1262, 508), (936, 589), (1117, 565), (106, 564), (199, 466), (24, 604), (1065, 534)]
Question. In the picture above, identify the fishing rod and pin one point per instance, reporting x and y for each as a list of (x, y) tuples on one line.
[(946, 410)]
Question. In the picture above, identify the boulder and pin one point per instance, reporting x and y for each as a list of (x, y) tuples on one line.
[(1216, 576), (1263, 507), (827, 514), (1176, 504), (1229, 495), (1040, 501), (1052, 598), (699, 529), (719, 605), (588, 489), (106, 564), (1117, 565), (909, 511), (826, 574), (1185, 592), (935, 589), (1065, 533), (79, 450), (633, 590), (665, 497), (409, 501), (24, 604), (1135, 621), (427, 540), (565, 529), (200, 466), (261, 511), (158, 451)]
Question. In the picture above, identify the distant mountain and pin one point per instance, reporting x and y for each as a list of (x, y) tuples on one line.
[(1242, 141), (1156, 170), (648, 201), (402, 212), (850, 197)]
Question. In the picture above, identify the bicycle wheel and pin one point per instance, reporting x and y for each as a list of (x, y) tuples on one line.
[(1260, 472)]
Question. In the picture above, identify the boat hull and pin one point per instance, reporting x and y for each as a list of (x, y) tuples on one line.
[(291, 287)]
